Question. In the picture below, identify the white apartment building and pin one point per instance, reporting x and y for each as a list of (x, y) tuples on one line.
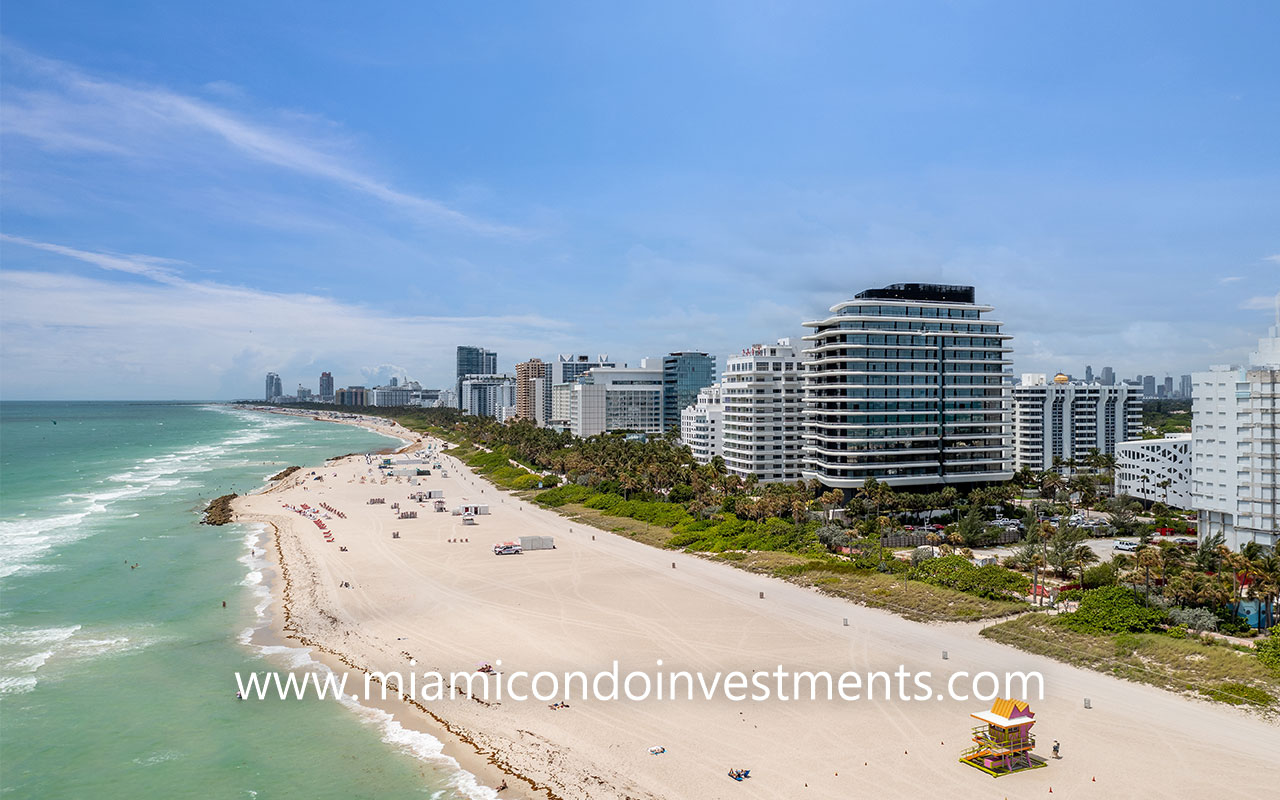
[(390, 396), (907, 385), (608, 399), (487, 395), (1062, 420), (1236, 448), (701, 424), (762, 391), (1143, 466)]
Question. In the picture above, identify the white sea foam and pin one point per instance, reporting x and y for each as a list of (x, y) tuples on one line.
[(29, 654), (422, 746), (158, 758), (24, 541)]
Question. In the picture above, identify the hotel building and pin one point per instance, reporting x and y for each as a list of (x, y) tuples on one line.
[(762, 392), (607, 399)]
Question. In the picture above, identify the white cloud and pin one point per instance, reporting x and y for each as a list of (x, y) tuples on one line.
[(1231, 279), (1274, 259), (157, 269), (1261, 302), (73, 111), (173, 338)]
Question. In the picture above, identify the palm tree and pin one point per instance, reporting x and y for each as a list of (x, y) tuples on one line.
[(1037, 563), (1149, 558), (1083, 557)]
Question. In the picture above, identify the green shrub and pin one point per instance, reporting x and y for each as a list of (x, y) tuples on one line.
[(1112, 609), (563, 495), (1268, 652), (1100, 575), (732, 533), (957, 572), (1239, 694), (1178, 631), (528, 481)]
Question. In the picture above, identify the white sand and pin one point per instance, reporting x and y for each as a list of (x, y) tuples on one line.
[(589, 602)]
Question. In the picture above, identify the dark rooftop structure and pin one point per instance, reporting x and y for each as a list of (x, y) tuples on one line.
[(928, 292)]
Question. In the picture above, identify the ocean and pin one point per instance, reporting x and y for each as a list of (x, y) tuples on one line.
[(119, 682)]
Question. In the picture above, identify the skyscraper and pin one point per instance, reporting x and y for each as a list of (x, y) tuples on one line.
[(527, 372), (907, 385), (1167, 386), (274, 387), (1184, 387), (1148, 386), (1088, 374), (474, 361), (1108, 376), (684, 374), (326, 387)]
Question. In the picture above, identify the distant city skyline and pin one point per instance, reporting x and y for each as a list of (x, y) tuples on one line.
[(181, 219)]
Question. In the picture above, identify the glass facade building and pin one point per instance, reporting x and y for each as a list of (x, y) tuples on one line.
[(908, 385), (683, 376)]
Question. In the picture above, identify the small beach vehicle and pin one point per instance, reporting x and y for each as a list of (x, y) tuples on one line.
[(507, 549)]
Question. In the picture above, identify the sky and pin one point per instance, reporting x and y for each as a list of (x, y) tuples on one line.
[(194, 194)]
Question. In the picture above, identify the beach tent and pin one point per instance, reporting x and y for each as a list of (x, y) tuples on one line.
[(538, 542)]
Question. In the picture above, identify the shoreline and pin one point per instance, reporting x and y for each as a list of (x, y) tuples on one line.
[(456, 590), (280, 631)]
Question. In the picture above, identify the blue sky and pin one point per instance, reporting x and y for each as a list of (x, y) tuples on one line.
[(195, 194)]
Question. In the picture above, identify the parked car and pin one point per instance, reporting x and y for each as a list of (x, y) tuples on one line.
[(1127, 547), (1186, 541)]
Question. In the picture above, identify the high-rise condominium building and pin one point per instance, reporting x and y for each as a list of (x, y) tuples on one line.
[(907, 385), (1235, 476), (527, 372), (474, 361), (1108, 376), (1058, 420), (489, 395), (683, 376), (762, 392), (326, 387), (1184, 387), (701, 424), (274, 388)]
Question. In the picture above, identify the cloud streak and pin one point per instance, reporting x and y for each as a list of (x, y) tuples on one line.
[(174, 338), (76, 112)]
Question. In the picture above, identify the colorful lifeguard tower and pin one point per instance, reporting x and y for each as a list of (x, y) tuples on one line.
[(1002, 744)]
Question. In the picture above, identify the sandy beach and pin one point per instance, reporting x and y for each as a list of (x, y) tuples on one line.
[(437, 594)]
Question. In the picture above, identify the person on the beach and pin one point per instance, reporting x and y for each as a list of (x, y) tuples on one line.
[(1055, 749)]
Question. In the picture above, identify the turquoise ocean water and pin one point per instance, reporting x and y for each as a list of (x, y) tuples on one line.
[(119, 682)]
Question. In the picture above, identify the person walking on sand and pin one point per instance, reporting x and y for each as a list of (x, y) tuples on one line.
[(1055, 749)]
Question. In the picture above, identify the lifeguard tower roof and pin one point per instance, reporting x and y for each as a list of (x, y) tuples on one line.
[(1006, 713)]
